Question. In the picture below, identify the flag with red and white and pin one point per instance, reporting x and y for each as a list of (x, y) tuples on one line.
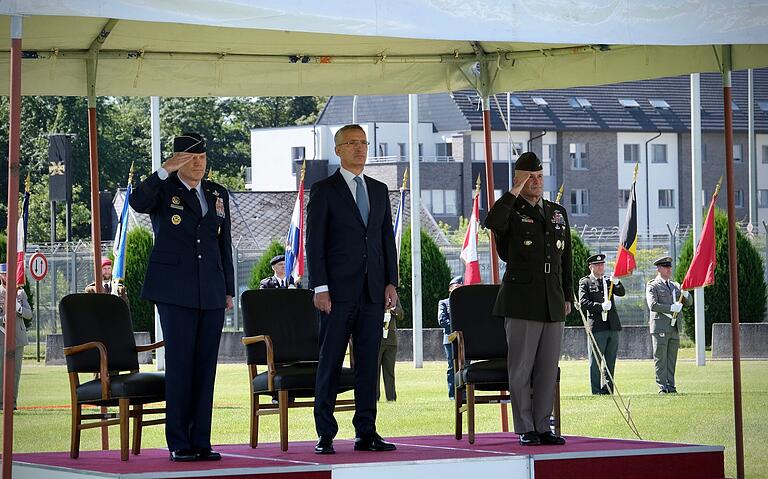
[(469, 250), (294, 245), (21, 238)]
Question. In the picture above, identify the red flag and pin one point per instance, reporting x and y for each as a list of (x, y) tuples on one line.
[(701, 272), (21, 238), (469, 250), (625, 259)]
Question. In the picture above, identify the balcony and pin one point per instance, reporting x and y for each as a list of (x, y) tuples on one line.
[(404, 159)]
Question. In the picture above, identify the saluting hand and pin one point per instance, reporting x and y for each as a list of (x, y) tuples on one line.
[(175, 162), (518, 182)]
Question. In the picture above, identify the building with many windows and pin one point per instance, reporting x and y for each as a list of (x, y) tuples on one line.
[(590, 140)]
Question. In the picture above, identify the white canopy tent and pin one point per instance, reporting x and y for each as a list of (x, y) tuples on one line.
[(251, 47)]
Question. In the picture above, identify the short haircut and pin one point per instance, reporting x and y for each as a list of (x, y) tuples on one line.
[(340, 132)]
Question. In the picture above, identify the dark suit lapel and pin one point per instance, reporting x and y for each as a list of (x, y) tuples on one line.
[(343, 189)]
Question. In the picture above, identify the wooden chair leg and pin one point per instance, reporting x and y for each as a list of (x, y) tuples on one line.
[(471, 413), (104, 431), (138, 419), (282, 400), (457, 403), (123, 413), (254, 420), (74, 445)]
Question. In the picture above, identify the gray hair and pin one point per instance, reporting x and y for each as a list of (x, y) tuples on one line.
[(340, 132)]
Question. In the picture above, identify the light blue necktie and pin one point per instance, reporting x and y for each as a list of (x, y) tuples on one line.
[(361, 199)]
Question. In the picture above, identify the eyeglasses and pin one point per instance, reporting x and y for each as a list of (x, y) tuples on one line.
[(355, 143)]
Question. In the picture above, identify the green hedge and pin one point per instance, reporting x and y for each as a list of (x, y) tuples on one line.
[(137, 250), (580, 253), (717, 303), (263, 269), (435, 276)]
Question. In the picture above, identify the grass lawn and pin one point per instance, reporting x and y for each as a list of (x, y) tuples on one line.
[(702, 413)]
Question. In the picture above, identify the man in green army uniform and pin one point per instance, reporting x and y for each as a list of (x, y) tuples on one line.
[(534, 239), (602, 320), (664, 300)]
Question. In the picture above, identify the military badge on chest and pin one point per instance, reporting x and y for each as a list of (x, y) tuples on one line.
[(176, 204), (559, 222), (220, 208)]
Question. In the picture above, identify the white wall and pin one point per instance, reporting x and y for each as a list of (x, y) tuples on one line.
[(500, 152), (660, 176), (271, 164)]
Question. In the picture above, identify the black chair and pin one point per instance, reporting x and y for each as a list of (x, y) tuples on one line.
[(281, 332), (479, 344), (98, 339)]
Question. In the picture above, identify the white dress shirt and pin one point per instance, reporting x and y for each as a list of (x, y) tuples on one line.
[(163, 175)]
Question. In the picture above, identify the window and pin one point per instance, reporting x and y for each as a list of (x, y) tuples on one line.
[(666, 198), (549, 153), (444, 149), (703, 152), (631, 153), (402, 151), (659, 103), (515, 102), (383, 149), (738, 153), (739, 198), (580, 202), (440, 202), (542, 102), (623, 198), (629, 103), (765, 154), (450, 202), (297, 153), (579, 103), (659, 154), (763, 105), (578, 154), (421, 150), (762, 198)]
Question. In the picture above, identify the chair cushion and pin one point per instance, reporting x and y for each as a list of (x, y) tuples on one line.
[(486, 375), (141, 388), (299, 378)]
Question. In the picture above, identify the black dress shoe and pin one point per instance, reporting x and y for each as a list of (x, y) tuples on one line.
[(208, 455), (373, 443), (183, 455), (529, 439), (549, 439), (325, 446)]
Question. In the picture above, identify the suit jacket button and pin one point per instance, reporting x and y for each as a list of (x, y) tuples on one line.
[(199, 256), (198, 241)]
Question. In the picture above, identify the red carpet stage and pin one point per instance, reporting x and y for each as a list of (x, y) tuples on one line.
[(496, 454)]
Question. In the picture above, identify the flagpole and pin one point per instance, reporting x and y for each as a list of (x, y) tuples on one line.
[(559, 193)]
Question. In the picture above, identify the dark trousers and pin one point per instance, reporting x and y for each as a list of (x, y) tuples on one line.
[(449, 373), (608, 344), (191, 348), (362, 320), (387, 358)]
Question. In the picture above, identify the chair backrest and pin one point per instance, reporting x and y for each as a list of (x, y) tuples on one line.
[(98, 317), (288, 317), (472, 314)]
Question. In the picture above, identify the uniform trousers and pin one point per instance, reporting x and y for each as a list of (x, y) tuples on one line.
[(191, 349), (665, 346), (533, 350), (608, 345), (362, 320)]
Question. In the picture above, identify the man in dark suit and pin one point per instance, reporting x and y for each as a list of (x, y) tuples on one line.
[(353, 270), (190, 278), (602, 320), (534, 239)]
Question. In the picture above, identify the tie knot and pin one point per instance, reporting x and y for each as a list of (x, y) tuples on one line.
[(358, 180)]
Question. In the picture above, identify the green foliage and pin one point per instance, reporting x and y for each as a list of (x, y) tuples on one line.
[(262, 269), (717, 303), (580, 253), (435, 275), (138, 248), (456, 235), (231, 182)]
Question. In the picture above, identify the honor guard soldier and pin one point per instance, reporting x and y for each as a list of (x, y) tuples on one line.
[(106, 276), (602, 321), (664, 300), (190, 279), (534, 239), (278, 279)]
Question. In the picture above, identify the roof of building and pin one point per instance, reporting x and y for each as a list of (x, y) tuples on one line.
[(260, 217), (661, 104)]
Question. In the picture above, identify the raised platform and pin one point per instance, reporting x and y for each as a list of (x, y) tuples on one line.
[(496, 454)]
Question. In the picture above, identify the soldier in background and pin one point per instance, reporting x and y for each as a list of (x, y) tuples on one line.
[(444, 320), (23, 320), (602, 320), (278, 280), (106, 275), (388, 352)]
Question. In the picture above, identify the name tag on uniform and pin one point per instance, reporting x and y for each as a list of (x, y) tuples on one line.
[(220, 208), (177, 207)]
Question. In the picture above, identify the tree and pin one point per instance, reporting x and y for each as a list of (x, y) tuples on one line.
[(435, 275), (263, 269), (717, 301), (137, 250), (580, 254)]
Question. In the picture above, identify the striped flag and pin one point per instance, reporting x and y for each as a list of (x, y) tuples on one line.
[(625, 260), (119, 246), (294, 245), (398, 226), (469, 250), (21, 236)]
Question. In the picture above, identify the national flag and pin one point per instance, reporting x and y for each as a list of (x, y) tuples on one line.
[(701, 272), (469, 250), (21, 236), (398, 226), (119, 245), (625, 260), (294, 245)]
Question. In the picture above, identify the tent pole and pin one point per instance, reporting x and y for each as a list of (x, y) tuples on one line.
[(696, 204), (413, 150), (14, 146), (154, 116), (733, 262)]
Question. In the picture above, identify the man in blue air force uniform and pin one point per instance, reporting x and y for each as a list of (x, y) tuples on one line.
[(190, 279)]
